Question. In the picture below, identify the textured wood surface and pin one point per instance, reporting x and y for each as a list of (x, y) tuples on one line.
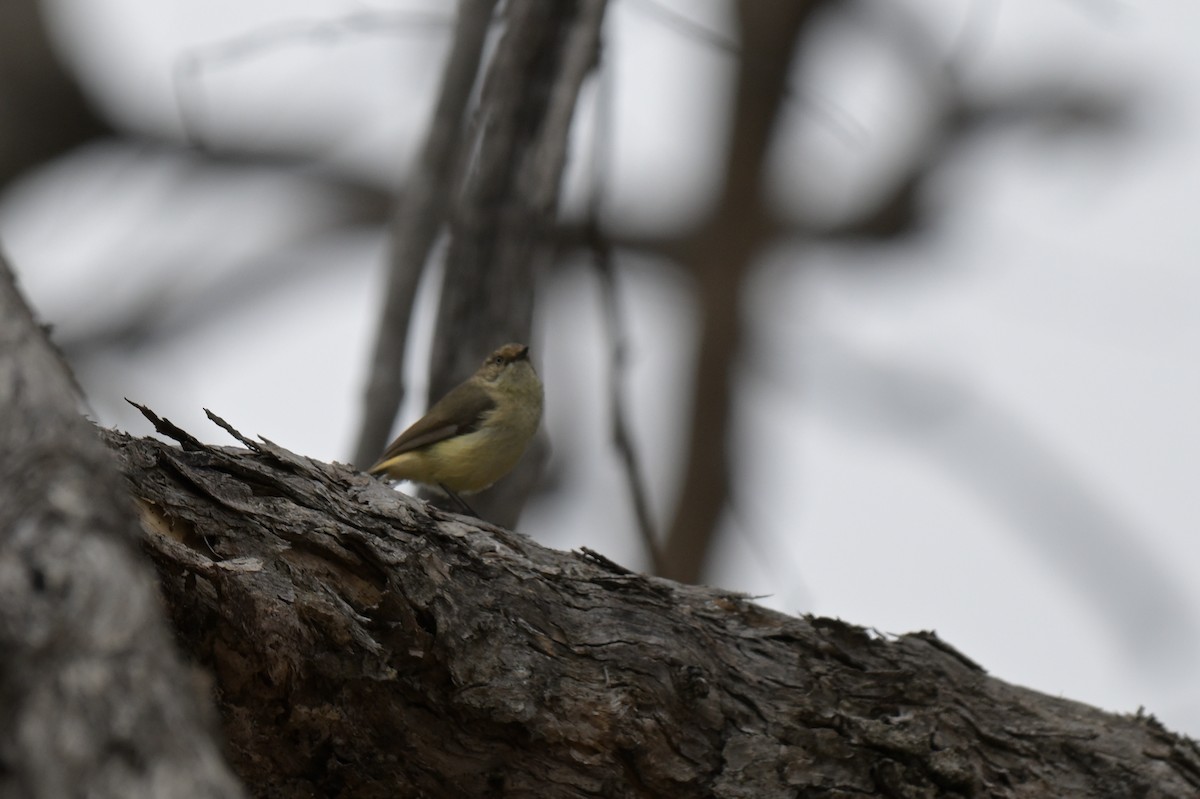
[(367, 645), (94, 698)]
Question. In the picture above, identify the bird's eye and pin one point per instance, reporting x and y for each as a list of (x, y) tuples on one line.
[(497, 360)]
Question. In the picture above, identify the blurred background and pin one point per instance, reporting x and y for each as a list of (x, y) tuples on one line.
[(944, 378)]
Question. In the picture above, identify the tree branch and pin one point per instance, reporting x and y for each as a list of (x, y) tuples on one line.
[(366, 644), (504, 212), (416, 225), (622, 436), (95, 699), (723, 252), (45, 112)]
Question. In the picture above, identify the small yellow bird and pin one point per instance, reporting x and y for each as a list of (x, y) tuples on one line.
[(475, 434)]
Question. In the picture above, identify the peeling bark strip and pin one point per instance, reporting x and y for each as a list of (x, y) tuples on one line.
[(367, 645), (94, 700)]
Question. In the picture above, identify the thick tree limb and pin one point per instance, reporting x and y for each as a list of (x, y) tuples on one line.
[(365, 644), (94, 700)]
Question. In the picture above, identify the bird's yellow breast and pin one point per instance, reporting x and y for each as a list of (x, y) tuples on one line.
[(471, 462)]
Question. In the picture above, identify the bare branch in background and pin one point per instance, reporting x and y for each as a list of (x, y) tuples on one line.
[(990, 451), (190, 68), (622, 436), (44, 112), (729, 241), (501, 218), (602, 258), (415, 228), (722, 252), (687, 27)]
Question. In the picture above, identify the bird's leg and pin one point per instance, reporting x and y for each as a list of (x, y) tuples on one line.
[(461, 502)]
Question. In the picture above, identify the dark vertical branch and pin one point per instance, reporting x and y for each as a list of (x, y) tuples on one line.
[(44, 112), (621, 435), (95, 699), (416, 225), (721, 257), (509, 198)]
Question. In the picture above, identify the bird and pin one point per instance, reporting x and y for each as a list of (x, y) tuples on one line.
[(475, 434)]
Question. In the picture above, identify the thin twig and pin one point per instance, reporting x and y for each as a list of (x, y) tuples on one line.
[(622, 438), (601, 162), (192, 64), (687, 27)]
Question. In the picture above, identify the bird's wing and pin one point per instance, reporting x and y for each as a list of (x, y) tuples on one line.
[(437, 425)]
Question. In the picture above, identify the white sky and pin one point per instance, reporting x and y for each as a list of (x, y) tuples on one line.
[(989, 431)]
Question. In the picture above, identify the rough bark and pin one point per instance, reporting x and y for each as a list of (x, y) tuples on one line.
[(365, 644), (94, 700)]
